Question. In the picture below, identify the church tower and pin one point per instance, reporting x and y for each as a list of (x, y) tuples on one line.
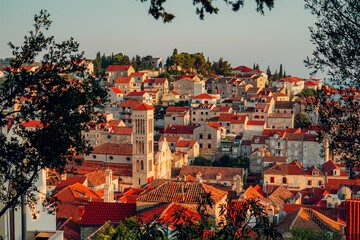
[(143, 144)]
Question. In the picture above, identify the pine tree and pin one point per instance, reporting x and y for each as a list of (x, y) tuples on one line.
[(281, 71)]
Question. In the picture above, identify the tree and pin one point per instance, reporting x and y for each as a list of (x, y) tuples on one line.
[(301, 120), (336, 36), (222, 67), (201, 161), (59, 95), (203, 7), (308, 234), (307, 92)]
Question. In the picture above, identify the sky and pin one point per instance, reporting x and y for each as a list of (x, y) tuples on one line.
[(246, 37)]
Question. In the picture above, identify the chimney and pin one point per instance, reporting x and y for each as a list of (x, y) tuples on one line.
[(198, 177), (238, 185), (109, 187)]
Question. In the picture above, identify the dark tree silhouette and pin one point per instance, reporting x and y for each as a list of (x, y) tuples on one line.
[(59, 95)]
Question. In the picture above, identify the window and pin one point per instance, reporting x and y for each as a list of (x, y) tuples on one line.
[(94, 156), (128, 158), (194, 119), (209, 136), (284, 180), (200, 136), (209, 146), (309, 182), (200, 145), (142, 165), (272, 179), (319, 183), (111, 157), (194, 113), (227, 124), (173, 118)]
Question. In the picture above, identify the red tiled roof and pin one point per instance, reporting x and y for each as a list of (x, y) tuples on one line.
[(130, 103), (177, 109), (210, 173), (113, 148), (292, 79), (122, 130), (123, 80), (293, 168), (32, 123), (143, 107), (186, 76), (204, 96), (114, 68), (174, 92), (71, 229), (255, 122), (97, 213), (181, 192), (137, 74), (136, 94), (170, 138), (179, 129), (185, 143), (77, 191), (116, 90), (242, 69), (214, 125), (336, 183), (69, 181), (329, 166), (97, 178)]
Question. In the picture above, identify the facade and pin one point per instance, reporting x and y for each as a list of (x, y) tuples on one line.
[(162, 160), (209, 138), (177, 116)]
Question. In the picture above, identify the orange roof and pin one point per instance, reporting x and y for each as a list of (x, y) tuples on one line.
[(77, 190), (114, 68), (113, 148), (204, 96), (170, 138), (137, 74), (123, 130), (181, 192), (174, 92), (123, 80), (32, 123), (116, 90), (214, 125), (130, 103), (143, 107), (140, 93), (97, 178), (185, 143), (242, 69), (255, 122)]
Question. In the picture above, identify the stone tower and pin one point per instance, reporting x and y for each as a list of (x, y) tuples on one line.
[(143, 144)]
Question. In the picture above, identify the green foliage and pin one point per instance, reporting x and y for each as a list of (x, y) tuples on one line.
[(60, 95), (201, 161), (301, 120), (167, 76), (336, 35), (307, 92), (222, 67), (194, 63), (308, 234), (228, 161), (203, 7)]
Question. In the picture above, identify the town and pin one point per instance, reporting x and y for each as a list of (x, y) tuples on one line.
[(165, 140)]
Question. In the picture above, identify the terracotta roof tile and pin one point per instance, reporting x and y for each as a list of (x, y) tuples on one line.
[(130, 103), (185, 143), (97, 213), (329, 167), (122, 131), (210, 173), (143, 107), (181, 192), (113, 148), (123, 79), (113, 68), (179, 129), (116, 90), (204, 96)]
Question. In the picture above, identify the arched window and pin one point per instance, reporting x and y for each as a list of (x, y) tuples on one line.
[(142, 165), (284, 180)]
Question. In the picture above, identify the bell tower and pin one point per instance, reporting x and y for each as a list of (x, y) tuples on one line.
[(143, 144)]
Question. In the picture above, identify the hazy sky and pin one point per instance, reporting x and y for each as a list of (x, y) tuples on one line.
[(242, 38)]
